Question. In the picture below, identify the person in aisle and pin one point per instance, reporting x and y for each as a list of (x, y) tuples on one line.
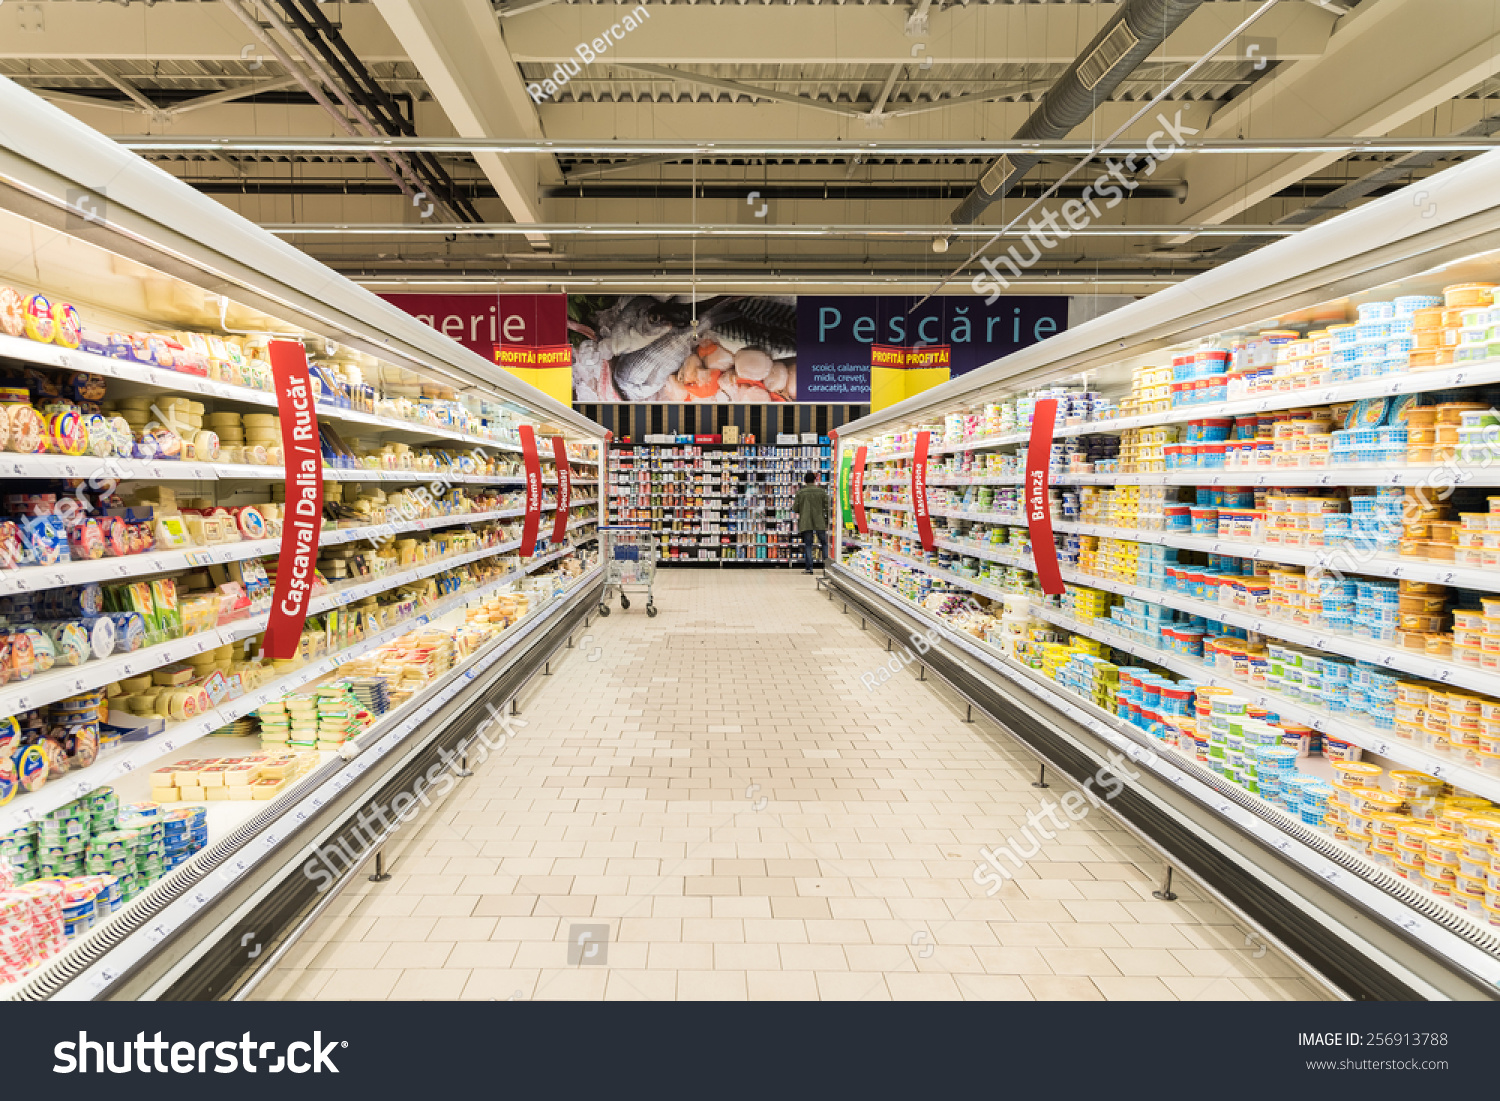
[(811, 507)]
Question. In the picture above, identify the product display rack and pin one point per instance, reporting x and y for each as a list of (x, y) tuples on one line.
[(422, 528), (1364, 417), (720, 503)]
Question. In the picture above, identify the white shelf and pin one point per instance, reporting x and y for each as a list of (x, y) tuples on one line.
[(128, 757), (1478, 373), (1345, 559), (1386, 657), (51, 355), (59, 683), (1380, 742)]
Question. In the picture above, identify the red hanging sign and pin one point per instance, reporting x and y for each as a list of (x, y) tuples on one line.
[(1038, 504), (533, 490), (564, 489), (302, 447), (919, 492), (857, 491)]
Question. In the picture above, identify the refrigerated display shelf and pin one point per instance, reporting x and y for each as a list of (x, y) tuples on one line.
[(51, 355), (128, 757), (1476, 373), (1437, 474), (94, 961), (60, 683), (35, 578), (1386, 657), (1382, 743), (1455, 937)]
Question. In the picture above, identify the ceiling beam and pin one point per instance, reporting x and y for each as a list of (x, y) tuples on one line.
[(168, 32), (675, 34), (1418, 69), (875, 34), (229, 95), (457, 47), (742, 89)]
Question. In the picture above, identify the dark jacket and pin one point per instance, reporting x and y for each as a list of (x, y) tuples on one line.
[(811, 506)]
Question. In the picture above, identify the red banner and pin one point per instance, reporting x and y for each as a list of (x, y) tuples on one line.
[(564, 489), (533, 490), (857, 491), (919, 492), (1038, 504), (300, 444)]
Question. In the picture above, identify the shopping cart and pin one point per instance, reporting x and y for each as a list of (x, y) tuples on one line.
[(629, 565)]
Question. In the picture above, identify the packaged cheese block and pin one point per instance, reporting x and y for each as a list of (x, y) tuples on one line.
[(172, 676), (266, 789), (190, 794), (212, 776), (216, 794), (240, 791)]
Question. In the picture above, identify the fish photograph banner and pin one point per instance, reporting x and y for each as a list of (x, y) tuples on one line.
[(786, 348)]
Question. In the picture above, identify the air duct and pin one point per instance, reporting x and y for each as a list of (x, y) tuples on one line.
[(1125, 41)]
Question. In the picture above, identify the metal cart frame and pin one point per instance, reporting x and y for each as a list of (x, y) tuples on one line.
[(630, 556)]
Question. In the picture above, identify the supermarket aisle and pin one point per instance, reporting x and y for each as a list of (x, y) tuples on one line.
[(718, 795)]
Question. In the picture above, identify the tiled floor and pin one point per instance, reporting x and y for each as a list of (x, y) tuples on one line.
[(719, 793)]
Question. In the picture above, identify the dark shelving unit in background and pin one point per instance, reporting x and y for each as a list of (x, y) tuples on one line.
[(715, 504)]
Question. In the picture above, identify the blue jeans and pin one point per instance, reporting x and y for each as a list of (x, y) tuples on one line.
[(807, 546)]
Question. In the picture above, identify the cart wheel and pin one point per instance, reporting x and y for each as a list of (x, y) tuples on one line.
[(624, 601), (604, 609), (651, 610)]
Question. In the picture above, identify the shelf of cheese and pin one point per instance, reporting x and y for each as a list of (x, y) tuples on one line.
[(128, 757), (1387, 657), (72, 359), (34, 578), (1478, 373), (67, 681)]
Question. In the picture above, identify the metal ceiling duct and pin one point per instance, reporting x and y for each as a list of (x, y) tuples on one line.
[(1117, 50)]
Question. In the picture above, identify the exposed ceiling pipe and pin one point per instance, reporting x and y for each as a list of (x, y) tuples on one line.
[(310, 86), (324, 37), (1117, 50), (321, 72)]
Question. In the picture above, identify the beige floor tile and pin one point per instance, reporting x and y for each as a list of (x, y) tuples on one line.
[(1063, 988), (922, 987), (640, 986), (1133, 988), (782, 986), (416, 955), (719, 986), (993, 988), (430, 985), (358, 986)]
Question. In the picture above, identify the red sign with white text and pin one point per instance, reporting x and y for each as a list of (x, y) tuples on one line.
[(533, 491), (919, 492), (1038, 504), (564, 489), (300, 444), (496, 325), (857, 491)]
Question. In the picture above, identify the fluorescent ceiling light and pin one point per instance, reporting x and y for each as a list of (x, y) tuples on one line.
[(490, 229), (754, 149), (685, 284)]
